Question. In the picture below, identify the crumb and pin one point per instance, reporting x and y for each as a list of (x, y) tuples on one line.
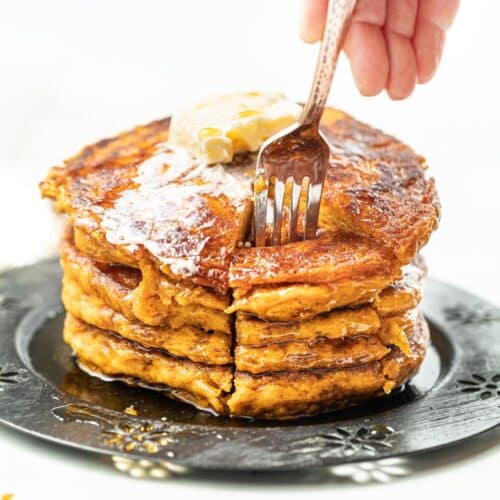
[(130, 410)]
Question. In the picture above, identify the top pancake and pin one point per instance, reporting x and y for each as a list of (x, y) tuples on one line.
[(377, 187), (132, 200)]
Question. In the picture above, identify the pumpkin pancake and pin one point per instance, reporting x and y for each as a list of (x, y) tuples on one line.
[(132, 199), (184, 342), (303, 301), (335, 325), (336, 340), (303, 279), (377, 187), (299, 393), (269, 396), (105, 353), (144, 295), (405, 293), (303, 355)]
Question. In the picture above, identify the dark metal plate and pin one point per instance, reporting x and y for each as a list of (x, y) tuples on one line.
[(42, 392)]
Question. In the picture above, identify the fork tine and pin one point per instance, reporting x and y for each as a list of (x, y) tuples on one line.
[(294, 210), (260, 218), (312, 210), (279, 194)]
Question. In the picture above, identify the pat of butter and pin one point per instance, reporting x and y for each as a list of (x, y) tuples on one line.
[(215, 130)]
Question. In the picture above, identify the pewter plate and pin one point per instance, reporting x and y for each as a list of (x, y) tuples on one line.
[(456, 395)]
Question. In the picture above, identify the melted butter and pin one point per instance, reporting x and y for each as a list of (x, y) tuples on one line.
[(225, 125), (179, 209)]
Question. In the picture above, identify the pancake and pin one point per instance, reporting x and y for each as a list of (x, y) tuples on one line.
[(144, 295), (103, 352), (338, 339), (299, 302), (184, 342), (132, 199), (335, 259), (405, 293), (303, 355), (323, 274), (377, 187), (335, 325), (301, 393), (268, 396)]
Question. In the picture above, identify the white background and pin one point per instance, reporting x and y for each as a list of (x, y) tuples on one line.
[(74, 72)]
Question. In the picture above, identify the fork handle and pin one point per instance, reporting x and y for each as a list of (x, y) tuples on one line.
[(337, 21)]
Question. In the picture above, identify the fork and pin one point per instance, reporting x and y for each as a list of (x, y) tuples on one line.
[(298, 156)]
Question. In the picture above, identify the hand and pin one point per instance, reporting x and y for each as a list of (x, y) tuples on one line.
[(391, 44)]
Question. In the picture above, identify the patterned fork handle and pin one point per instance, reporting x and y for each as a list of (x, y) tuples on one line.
[(339, 12)]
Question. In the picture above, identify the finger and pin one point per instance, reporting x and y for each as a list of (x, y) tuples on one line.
[(366, 50), (401, 16), (439, 12), (428, 43), (403, 66), (312, 19), (370, 11)]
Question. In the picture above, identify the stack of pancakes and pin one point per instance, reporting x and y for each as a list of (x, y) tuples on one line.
[(162, 288)]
